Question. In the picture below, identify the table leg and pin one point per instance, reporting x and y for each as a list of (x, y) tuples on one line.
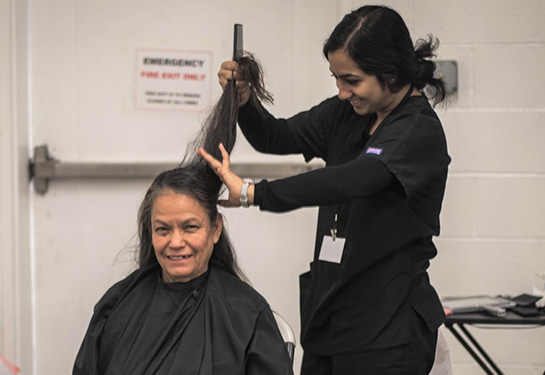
[(487, 367), (481, 349)]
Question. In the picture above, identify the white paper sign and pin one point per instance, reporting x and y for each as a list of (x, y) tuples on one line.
[(332, 251), (173, 80)]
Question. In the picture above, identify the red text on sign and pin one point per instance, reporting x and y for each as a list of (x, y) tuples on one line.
[(147, 74)]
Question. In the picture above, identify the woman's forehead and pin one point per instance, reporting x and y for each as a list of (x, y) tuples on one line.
[(172, 203), (341, 64)]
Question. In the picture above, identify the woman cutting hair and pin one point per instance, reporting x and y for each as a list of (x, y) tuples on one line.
[(367, 306)]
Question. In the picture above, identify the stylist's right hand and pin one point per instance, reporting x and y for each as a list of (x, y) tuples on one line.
[(230, 70), (226, 175)]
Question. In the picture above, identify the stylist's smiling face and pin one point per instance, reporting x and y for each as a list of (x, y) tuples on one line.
[(362, 90), (183, 236)]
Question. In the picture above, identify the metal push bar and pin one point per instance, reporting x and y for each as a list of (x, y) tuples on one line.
[(44, 168)]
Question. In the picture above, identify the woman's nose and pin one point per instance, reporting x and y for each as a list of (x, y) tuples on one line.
[(177, 240), (343, 92)]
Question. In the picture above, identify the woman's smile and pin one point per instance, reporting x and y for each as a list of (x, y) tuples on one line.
[(357, 102), (179, 257)]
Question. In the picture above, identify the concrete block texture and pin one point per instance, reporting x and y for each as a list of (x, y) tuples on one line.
[(542, 24), (515, 350), (511, 207), (510, 76), (539, 282), (458, 211), (495, 141), (483, 21), (467, 266), (542, 137)]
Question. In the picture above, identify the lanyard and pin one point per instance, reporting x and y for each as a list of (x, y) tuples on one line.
[(333, 229)]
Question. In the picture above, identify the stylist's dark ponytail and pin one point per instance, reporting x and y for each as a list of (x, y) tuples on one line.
[(435, 87)]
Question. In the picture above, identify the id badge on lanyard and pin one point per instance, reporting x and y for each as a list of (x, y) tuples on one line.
[(332, 246)]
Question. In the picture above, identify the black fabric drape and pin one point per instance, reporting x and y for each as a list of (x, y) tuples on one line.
[(216, 324)]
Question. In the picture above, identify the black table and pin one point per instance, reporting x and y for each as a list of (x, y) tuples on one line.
[(456, 324)]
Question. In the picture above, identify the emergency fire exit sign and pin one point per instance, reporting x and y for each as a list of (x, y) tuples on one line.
[(173, 80)]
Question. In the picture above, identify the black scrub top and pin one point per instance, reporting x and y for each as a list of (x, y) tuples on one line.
[(366, 301)]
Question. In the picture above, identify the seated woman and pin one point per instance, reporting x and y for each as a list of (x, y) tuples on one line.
[(186, 309)]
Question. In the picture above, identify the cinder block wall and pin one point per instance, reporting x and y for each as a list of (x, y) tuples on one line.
[(493, 221)]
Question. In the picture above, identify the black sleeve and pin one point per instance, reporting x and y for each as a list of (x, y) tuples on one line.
[(326, 186), (306, 133), (413, 148), (266, 133)]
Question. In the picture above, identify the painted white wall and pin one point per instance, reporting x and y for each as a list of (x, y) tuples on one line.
[(7, 296), (82, 76), (15, 256)]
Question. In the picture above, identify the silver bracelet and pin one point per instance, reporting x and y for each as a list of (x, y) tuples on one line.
[(244, 192)]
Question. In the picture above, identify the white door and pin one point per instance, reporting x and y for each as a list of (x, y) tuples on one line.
[(83, 90), (15, 237)]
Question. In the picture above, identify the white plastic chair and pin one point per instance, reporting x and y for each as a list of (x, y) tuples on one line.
[(287, 333)]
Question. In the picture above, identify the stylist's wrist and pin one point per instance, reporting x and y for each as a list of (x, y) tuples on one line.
[(251, 191)]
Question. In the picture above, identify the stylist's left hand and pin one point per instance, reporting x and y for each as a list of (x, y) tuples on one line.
[(226, 175)]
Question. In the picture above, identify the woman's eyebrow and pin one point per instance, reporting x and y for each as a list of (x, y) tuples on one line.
[(349, 75), (344, 76), (159, 221)]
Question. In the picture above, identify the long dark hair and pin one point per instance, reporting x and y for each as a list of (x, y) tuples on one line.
[(221, 123), (193, 176), (378, 40)]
